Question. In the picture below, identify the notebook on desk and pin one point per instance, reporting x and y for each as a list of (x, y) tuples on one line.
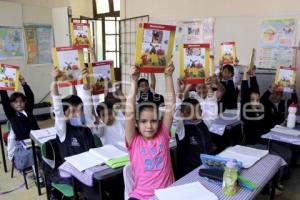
[(108, 154), (286, 131), (247, 155), (44, 135), (190, 191)]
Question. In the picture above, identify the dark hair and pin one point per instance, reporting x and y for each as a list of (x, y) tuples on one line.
[(189, 101), (71, 100), (146, 105), (254, 91), (103, 106), (17, 95), (229, 68), (142, 80)]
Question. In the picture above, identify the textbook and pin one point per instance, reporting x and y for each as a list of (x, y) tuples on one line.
[(285, 78), (190, 191), (102, 75), (9, 77), (247, 155), (70, 61), (286, 130), (228, 53), (107, 154), (80, 35), (194, 63), (154, 47), (44, 135), (252, 60)]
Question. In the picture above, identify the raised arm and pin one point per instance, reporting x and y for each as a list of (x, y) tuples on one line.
[(60, 123), (130, 107), (245, 88), (153, 81), (220, 87), (169, 96), (8, 110), (28, 93)]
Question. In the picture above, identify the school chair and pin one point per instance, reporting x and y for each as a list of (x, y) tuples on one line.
[(49, 165), (24, 172), (128, 180), (97, 141)]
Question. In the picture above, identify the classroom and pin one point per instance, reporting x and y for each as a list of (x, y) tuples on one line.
[(140, 100)]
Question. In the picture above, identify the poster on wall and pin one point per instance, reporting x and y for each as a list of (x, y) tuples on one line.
[(195, 31), (285, 78), (39, 42), (11, 42), (277, 37)]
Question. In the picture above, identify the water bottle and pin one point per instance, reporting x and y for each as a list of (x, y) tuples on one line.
[(230, 178), (291, 119)]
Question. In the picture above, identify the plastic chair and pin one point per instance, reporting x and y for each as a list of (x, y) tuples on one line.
[(128, 180), (48, 156)]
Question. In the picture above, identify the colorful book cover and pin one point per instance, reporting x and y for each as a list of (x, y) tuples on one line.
[(102, 75), (194, 63), (285, 78), (154, 47), (80, 34), (9, 77), (228, 53), (70, 61)]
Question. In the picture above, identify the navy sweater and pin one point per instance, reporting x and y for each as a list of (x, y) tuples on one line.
[(20, 123)]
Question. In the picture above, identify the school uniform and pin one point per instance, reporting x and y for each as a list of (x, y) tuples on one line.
[(21, 124), (255, 124), (150, 96), (229, 98), (276, 113)]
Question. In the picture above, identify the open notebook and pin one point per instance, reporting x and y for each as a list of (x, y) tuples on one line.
[(44, 135), (108, 154), (190, 191), (247, 155), (285, 130)]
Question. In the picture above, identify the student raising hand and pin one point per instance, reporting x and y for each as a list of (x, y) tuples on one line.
[(22, 80)]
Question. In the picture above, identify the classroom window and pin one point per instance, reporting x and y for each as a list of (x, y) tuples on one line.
[(102, 6)]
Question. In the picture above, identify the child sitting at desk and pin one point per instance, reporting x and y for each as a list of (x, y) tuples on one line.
[(252, 110), (146, 93), (147, 139), (192, 135), (276, 106), (229, 98), (208, 95), (19, 112)]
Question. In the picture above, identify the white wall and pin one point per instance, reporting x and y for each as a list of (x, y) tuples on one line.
[(236, 20)]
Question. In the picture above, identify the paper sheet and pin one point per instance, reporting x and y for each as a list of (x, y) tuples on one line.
[(84, 161)]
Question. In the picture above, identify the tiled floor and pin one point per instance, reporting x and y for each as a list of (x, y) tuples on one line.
[(291, 191)]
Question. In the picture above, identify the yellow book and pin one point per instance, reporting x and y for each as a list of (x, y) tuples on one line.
[(252, 59), (81, 34), (70, 61), (9, 77), (228, 53), (194, 63), (285, 78), (154, 46), (102, 75)]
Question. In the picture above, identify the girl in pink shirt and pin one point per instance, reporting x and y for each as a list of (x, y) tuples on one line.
[(147, 140)]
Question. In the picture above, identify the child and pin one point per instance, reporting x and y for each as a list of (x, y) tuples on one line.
[(19, 112), (229, 99), (146, 93), (208, 98), (73, 136), (193, 137), (111, 130), (148, 145), (276, 106), (252, 111)]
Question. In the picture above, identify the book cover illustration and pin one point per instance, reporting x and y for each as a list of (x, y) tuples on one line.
[(228, 53), (154, 47), (194, 63), (9, 77), (81, 34), (102, 76), (285, 78), (70, 61)]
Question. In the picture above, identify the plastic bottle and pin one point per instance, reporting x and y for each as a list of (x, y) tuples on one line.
[(291, 119), (230, 178)]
